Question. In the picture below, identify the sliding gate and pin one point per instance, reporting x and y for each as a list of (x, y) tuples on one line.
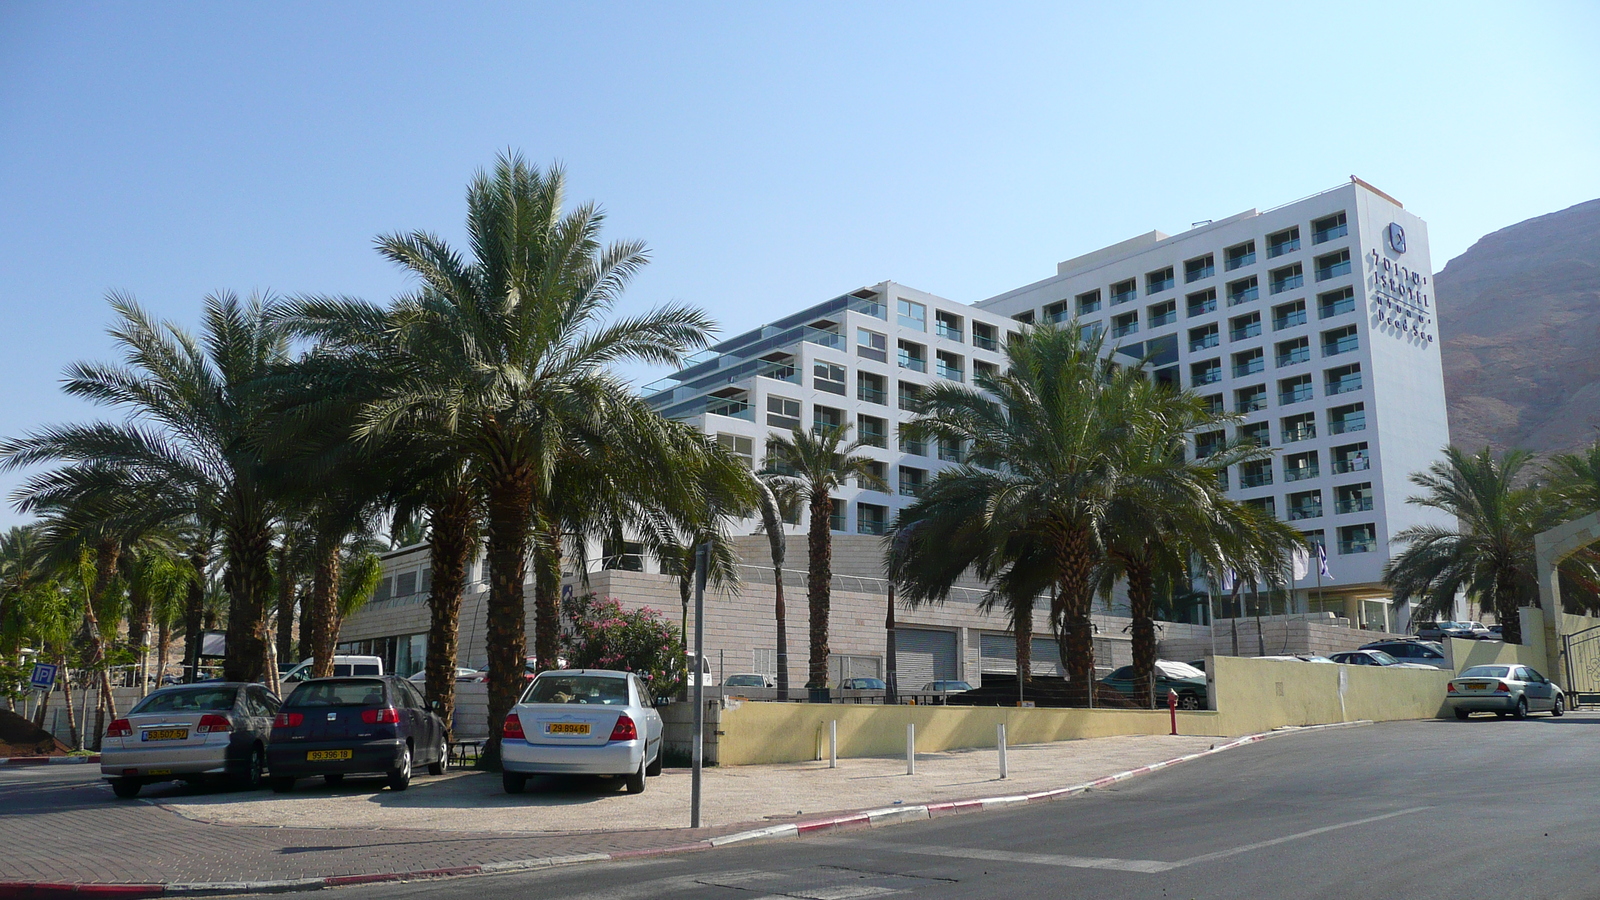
[(1583, 666)]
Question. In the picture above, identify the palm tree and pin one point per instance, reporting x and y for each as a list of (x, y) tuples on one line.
[(772, 523), (1575, 479), (513, 368), (806, 468)]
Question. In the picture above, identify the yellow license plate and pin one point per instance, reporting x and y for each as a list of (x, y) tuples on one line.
[(167, 734), (324, 755), (569, 728), (158, 771), (1477, 687)]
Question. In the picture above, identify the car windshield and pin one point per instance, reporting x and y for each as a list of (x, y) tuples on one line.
[(1178, 670), (338, 693), (187, 700), (578, 689), (745, 681), (1383, 658), (1486, 672)]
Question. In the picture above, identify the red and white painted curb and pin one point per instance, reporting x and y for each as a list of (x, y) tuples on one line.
[(869, 819), (46, 761)]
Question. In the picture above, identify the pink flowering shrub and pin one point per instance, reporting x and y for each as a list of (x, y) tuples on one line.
[(600, 634)]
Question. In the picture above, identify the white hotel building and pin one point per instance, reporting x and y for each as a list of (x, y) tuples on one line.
[(1314, 320)]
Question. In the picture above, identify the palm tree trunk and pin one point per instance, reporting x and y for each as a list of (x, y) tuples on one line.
[(285, 648), (1505, 606), (303, 645), (163, 635), (324, 611), (66, 695), (1075, 561), (819, 580), (107, 553), (685, 588), (194, 612), (44, 706), (783, 633), (510, 513), (449, 551), (138, 614), (1142, 602), (248, 581), (1022, 630), (547, 598)]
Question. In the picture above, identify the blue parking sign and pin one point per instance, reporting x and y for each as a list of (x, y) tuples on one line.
[(44, 675)]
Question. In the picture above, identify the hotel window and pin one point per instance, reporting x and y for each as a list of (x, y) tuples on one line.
[(405, 584), (981, 370), (1300, 466), (1304, 505), (872, 345), (1249, 362), (1089, 302), (910, 394), (1257, 433), (783, 413), (1089, 332), (1340, 340), (1351, 498), (985, 337), (1025, 317), (1204, 336), (1243, 291), (1301, 427), (1263, 505), (828, 377), (1334, 303), (1345, 419), (1358, 539), (950, 450), (912, 446), (947, 326), (1056, 313), (1203, 302), (1123, 291), (872, 431), (879, 480), (913, 315), (1317, 539), (1351, 458), (912, 481), (1156, 282), (1244, 327), (872, 388), (913, 356), (1196, 269), (1250, 399), (1333, 265), (1283, 242), (1163, 313), (1343, 380), (948, 365), (1333, 226), (739, 446), (1125, 324), (1208, 443), (836, 521), (1213, 403), (1288, 315), (1293, 351), (1239, 256), (1285, 279), (1207, 372), (1294, 390), (1257, 473), (624, 556), (870, 518), (825, 418)]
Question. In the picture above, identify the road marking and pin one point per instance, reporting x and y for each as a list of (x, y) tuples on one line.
[(1148, 866)]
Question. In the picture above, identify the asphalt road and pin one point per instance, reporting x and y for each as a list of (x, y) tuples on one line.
[(1459, 810)]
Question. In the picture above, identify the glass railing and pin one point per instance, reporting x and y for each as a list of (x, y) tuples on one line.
[(1255, 479), (1210, 340), (733, 409), (1299, 473), (1192, 275), (913, 363), (869, 526), (1156, 287), (1276, 250), (1086, 308), (908, 402), (1303, 433), (1256, 436), (1363, 504), (1203, 307), (1341, 345), (1305, 511), (1281, 322), (911, 489), (951, 454), (871, 394), (1333, 271), (1297, 355), (1249, 368), (1123, 297), (948, 332), (1249, 331), (944, 371), (1342, 305), (984, 342), (1166, 318), (1348, 424), (1351, 464), (1344, 385), (1366, 545), (1288, 284), (1251, 404), (1239, 262), (1295, 396), (1243, 296), (874, 439), (1209, 376), (1125, 330), (1328, 234)]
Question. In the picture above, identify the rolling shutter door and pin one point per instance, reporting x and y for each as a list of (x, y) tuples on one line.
[(922, 655), (999, 654), (1046, 657)]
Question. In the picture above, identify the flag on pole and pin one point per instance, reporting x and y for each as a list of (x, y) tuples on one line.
[(1228, 577), (1322, 562), (1301, 560)]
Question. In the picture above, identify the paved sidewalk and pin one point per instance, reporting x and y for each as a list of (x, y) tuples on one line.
[(181, 835)]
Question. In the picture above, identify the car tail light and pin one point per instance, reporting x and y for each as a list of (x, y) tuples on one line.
[(1452, 688), (1500, 688), (624, 730), (513, 728), (288, 720), (385, 716), (211, 723), (120, 728)]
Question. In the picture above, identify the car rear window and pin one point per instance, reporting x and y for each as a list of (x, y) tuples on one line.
[(337, 693), (1486, 672), (192, 700), (578, 689)]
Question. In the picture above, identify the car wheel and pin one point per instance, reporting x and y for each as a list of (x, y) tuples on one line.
[(437, 766), (282, 785), (251, 779), (400, 776), (126, 788), (1188, 701), (1521, 712), (1463, 714), (636, 780), (513, 782), (654, 768), (1559, 709), (333, 779)]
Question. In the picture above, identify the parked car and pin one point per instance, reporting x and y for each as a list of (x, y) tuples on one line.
[(750, 680), (1504, 690), (462, 674), (863, 684), (190, 733), (1495, 634), (335, 727), (582, 722), (1479, 631), (946, 687), (1427, 653), (1372, 658), (1188, 681), (343, 667), (1436, 631), (1299, 657)]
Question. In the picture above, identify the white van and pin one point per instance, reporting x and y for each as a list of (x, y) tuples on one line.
[(343, 667)]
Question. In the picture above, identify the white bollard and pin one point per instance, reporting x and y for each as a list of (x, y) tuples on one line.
[(911, 748), (1000, 741), (833, 744)]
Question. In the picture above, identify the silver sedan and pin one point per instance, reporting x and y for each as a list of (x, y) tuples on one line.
[(582, 722), (1505, 690)]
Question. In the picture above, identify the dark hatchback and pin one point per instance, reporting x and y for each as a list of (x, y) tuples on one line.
[(335, 727)]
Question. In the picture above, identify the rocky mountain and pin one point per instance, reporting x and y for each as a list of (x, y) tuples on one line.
[(1519, 317)]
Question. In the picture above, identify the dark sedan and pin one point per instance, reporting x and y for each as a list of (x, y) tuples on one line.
[(335, 727)]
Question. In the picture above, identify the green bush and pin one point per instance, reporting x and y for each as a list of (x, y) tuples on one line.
[(600, 634)]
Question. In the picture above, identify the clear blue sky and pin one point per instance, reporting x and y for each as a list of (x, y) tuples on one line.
[(771, 157)]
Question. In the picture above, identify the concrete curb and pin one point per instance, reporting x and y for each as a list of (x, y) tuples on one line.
[(46, 760), (871, 818)]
